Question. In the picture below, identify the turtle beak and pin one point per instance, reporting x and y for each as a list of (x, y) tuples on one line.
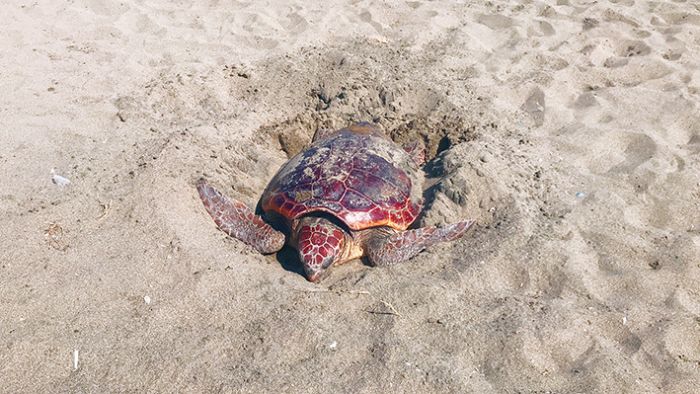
[(315, 273), (313, 277)]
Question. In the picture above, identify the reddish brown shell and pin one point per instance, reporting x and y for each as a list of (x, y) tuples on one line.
[(355, 174)]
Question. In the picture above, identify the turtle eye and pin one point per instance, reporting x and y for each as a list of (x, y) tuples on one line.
[(327, 263)]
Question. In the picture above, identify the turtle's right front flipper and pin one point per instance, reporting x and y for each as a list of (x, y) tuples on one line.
[(239, 221)]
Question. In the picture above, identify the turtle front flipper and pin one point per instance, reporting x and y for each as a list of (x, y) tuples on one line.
[(401, 246), (239, 221)]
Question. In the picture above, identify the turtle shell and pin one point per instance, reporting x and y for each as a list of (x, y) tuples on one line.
[(359, 176)]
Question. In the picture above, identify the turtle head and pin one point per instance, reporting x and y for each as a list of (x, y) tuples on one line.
[(320, 243)]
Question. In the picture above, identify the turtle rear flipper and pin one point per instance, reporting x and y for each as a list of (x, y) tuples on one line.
[(239, 221), (417, 151), (401, 246)]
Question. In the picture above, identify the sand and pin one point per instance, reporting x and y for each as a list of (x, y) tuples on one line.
[(569, 129)]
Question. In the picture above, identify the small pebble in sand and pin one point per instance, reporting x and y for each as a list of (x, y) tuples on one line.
[(147, 300), (333, 345), (580, 194), (58, 179)]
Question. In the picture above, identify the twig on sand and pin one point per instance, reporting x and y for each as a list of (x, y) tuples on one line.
[(388, 305), (392, 310), (323, 290), (54, 236), (105, 210), (381, 313)]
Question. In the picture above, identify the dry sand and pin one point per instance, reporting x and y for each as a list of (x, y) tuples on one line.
[(570, 129)]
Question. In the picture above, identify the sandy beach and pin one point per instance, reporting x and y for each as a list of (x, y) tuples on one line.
[(568, 129)]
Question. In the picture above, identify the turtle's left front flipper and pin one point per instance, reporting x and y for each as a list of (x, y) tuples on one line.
[(401, 246), (239, 221)]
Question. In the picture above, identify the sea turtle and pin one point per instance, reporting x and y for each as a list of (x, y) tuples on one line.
[(351, 193)]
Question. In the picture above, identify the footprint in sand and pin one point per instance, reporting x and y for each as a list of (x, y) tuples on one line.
[(640, 148), (590, 23), (295, 24), (585, 100), (680, 18), (495, 21), (631, 48), (414, 4), (627, 3), (629, 342), (534, 105), (615, 62), (366, 17), (541, 28), (694, 143), (546, 28), (672, 55)]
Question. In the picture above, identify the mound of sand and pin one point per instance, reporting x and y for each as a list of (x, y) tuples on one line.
[(570, 130)]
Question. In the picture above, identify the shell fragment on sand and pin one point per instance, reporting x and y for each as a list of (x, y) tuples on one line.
[(59, 180)]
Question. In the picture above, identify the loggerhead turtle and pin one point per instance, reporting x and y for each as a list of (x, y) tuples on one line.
[(351, 193)]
